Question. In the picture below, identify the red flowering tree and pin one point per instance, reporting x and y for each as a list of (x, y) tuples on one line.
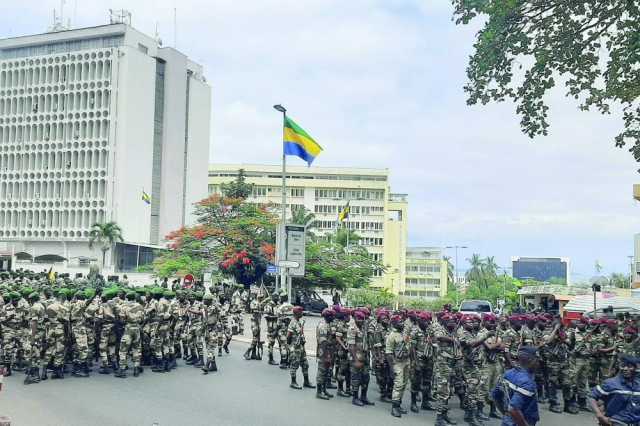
[(236, 235)]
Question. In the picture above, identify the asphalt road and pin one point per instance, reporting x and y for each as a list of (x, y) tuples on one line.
[(242, 393)]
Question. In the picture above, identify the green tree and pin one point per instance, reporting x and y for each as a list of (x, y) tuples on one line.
[(176, 264), (450, 270), (490, 268), (526, 45), (619, 280), (304, 217), (238, 188), (344, 236), (105, 235), (476, 271)]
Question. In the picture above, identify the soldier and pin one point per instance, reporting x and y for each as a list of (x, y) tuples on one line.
[(79, 335), (57, 317), (181, 323), (132, 315), (343, 374), (237, 307), (358, 346), (296, 340), (90, 312), (211, 317), (106, 317), (195, 332), (36, 318), (448, 350), (377, 335), (511, 338), (325, 336), (255, 309), (579, 342), (224, 331), (271, 317), (493, 366), (556, 346), (471, 344), (284, 311), (11, 332), (397, 354)]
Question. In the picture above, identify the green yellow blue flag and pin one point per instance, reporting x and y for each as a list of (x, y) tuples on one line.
[(146, 197), (298, 142), (344, 214)]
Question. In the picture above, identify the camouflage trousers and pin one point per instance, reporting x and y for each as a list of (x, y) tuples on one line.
[(272, 336), (237, 323), (34, 355), (325, 358), (579, 374), (490, 373), (55, 344), (359, 374), (342, 366), (255, 331), (130, 342), (442, 373), (224, 333), (559, 376), (90, 330), (195, 339), (211, 340), (298, 360), (383, 372), (160, 340), (400, 379), (282, 344), (171, 340), (11, 343), (472, 375), (106, 345), (81, 345), (600, 370), (422, 375), (180, 335)]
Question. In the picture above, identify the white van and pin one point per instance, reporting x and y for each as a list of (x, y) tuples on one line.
[(475, 307)]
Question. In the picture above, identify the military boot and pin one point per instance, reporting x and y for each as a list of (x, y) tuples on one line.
[(331, 385), (307, 383), (190, 360), (294, 383), (554, 405), (363, 395), (284, 363), (319, 392), (136, 371), (32, 376), (470, 417), (219, 350), (43, 375), (247, 354), (582, 404), (325, 393), (480, 413), (341, 391), (172, 362), (570, 406), (355, 400), (426, 404), (104, 369), (439, 420), (448, 420), (199, 363), (121, 373), (157, 367), (271, 360), (226, 347), (492, 411), (385, 395), (414, 402), (395, 409), (83, 370), (58, 373)]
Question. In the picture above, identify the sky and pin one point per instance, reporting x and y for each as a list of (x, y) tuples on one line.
[(379, 83)]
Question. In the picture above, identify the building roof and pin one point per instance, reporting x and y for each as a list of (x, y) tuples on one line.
[(553, 289), (313, 170), (584, 303)]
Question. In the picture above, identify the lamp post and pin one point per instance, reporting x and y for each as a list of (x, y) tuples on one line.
[(455, 284), (630, 271), (283, 232), (504, 282)]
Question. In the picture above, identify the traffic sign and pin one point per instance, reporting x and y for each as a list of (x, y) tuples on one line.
[(288, 264), (272, 269)]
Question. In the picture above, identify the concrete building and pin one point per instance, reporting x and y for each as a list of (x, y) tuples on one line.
[(544, 269), (426, 273), (89, 119), (635, 267), (377, 215)]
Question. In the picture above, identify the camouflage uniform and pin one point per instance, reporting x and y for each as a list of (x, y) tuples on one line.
[(107, 317), (343, 374), (272, 329), (36, 317), (444, 364), (195, 330), (90, 312), (284, 317), (132, 315), (79, 332), (377, 335), (579, 365), (57, 316), (211, 315), (492, 369), (557, 353), (160, 342), (325, 339), (298, 353), (396, 348), (472, 370), (11, 330), (357, 338), (421, 373)]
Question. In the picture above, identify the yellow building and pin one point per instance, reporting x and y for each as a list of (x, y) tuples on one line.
[(377, 215), (426, 273)]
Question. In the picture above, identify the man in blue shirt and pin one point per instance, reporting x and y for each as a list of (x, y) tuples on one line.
[(515, 394), (620, 395)]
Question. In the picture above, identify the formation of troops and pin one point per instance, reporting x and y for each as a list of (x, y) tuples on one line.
[(71, 326)]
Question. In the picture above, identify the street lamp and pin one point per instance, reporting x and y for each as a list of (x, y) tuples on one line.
[(455, 284), (504, 282), (283, 232), (280, 108), (630, 271)]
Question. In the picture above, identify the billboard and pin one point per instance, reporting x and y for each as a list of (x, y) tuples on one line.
[(541, 268)]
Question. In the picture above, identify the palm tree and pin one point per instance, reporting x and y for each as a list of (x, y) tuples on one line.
[(476, 272), (302, 216), (490, 268), (106, 235), (450, 270)]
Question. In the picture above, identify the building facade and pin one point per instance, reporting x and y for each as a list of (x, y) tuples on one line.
[(544, 269), (378, 216), (90, 119), (426, 273)]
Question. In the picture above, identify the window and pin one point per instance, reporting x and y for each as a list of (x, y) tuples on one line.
[(259, 191), (144, 49), (296, 192)]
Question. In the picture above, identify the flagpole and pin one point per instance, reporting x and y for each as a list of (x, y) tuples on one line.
[(283, 220)]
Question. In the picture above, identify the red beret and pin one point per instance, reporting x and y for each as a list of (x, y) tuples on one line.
[(298, 310)]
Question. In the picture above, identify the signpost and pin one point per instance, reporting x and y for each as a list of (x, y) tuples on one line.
[(291, 255), (272, 269)]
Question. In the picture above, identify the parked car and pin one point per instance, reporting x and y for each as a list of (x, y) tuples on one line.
[(475, 307), (310, 301)]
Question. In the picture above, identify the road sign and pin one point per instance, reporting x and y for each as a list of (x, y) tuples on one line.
[(288, 264), (272, 269), (295, 249)]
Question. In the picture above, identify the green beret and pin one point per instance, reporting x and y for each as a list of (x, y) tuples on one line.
[(131, 295), (26, 291), (168, 293), (89, 292), (34, 296), (157, 291), (14, 295)]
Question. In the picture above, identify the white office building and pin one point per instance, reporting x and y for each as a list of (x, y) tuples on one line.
[(89, 119)]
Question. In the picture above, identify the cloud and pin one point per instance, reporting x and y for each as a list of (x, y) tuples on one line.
[(379, 83)]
